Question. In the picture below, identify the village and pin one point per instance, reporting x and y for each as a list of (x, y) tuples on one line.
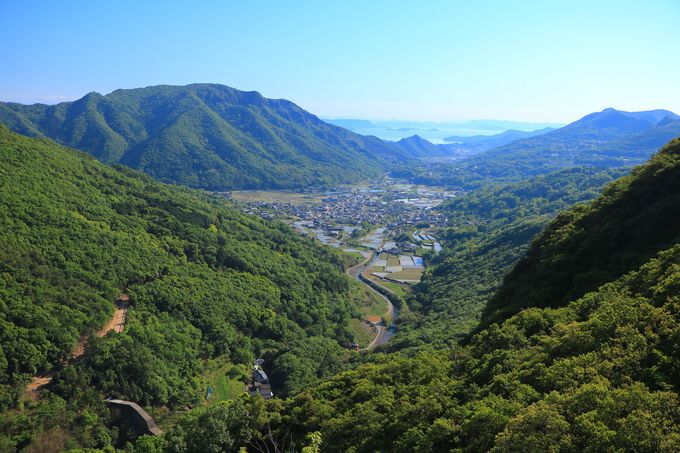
[(389, 202), (343, 214), (392, 220)]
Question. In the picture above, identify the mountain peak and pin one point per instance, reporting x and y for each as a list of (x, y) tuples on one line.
[(209, 136), (415, 139)]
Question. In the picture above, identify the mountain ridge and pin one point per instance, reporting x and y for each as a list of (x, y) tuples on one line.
[(207, 136), (607, 139)]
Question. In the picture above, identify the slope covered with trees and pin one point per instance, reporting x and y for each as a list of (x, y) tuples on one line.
[(204, 281), (207, 136), (567, 361), (587, 246), (598, 371), (491, 229)]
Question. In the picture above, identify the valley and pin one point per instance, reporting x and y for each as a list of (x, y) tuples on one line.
[(344, 292), (394, 220), (340, 227)]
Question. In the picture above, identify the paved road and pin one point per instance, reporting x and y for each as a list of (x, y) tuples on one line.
[(385, 332)]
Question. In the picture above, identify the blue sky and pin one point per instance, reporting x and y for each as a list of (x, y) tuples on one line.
[(431, 60)]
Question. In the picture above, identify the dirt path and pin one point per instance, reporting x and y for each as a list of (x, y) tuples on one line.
[(116, 323)]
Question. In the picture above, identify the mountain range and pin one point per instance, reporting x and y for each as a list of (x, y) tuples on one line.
[(478, 143), (608, 139), (461, 146), (218, 138), (577, 350), (207, 136)]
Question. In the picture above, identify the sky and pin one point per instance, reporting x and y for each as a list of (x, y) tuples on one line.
[(523, 60)]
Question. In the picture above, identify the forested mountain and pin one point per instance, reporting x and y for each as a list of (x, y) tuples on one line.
[(418, 147), (207, 136), (491, 229), (590, 245), (204, 281), (598, 372), (577, 350), (610, 139)]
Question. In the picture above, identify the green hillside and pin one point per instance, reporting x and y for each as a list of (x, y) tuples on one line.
[(587, 246), (578, 350), (599, 372), (204, 281), (491, 229), (207, 136)]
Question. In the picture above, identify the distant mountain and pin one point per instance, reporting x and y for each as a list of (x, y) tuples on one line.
[(416, 146), (610, 138), (351, 123), (207, 136), (480, 143)]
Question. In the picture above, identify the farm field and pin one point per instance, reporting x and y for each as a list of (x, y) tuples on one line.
[(368, 303), (407, 275), (392, 260), (397, 288)]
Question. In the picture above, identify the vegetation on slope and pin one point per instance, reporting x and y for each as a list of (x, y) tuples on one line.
[(597, 372), (587, 246), (600, 374), (491, 230), (204, 281), (207, 136)]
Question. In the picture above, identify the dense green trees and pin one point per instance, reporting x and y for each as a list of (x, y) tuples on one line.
[(578, 350), (588, 246), (222, 427), (208, 136), (597, 372), (204, 281), (490, 231)]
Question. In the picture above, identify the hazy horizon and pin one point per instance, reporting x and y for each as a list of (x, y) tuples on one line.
[(443, 61)]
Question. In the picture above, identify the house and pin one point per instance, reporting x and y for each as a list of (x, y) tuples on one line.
[(259, 375), (260, 382), (374, 320)]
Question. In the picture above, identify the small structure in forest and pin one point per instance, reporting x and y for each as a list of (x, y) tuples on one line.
[(260, 382), (127, 413)]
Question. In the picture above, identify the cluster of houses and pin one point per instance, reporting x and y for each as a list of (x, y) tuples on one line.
[(387, 202)]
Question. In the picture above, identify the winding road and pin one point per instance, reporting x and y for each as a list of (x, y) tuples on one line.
[(385, 331)]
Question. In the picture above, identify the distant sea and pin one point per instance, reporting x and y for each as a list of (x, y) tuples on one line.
[(434, 132)]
